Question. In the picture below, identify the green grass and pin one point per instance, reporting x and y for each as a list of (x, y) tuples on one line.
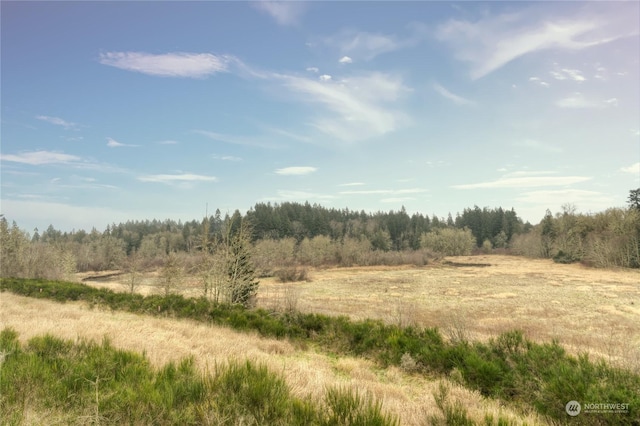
[(510, 367), (87, 382)]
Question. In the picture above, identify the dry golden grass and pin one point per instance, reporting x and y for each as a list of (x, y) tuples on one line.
[(586, 309), (306, 371)]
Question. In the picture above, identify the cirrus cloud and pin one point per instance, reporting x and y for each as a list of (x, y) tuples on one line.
[(37, 158), (525, 182), (177, 64), (173, 178), (296, 171)]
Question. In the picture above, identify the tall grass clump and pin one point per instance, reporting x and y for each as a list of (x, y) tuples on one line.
[(86, 382)]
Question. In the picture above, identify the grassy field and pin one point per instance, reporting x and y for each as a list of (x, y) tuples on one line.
[(587, 310), (307, 372), (477, 298)]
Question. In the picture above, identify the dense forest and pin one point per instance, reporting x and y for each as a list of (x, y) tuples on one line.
[(310, 234)]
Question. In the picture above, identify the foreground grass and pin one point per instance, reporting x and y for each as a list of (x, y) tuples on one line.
[(509, 367), (85, 382)]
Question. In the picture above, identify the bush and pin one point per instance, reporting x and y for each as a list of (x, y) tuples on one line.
[(449, 241)]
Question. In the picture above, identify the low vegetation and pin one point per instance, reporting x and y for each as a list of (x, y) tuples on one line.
[(510, 367), (94, 383)]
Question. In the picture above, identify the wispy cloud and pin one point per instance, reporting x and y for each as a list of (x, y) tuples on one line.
[(358, 106), (313, 69), (352, 184), (296, 171), (345, 60), (58, 122), (168, 142), (558, 197), (112, 143), (568, 74), (493, 41), (456, 99), (173, 178), (284, 12), (578, 100), (525, 182), (178, 64), (37, 158), (260, 142), (226, 158), (365, 45), (539, 81), (634, 168)]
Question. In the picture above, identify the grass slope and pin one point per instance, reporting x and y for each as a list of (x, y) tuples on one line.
[(509, 367)]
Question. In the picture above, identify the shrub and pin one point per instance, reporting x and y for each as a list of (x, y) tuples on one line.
[(449, 241)]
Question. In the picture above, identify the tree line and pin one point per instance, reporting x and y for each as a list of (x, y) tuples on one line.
[(290, 234)]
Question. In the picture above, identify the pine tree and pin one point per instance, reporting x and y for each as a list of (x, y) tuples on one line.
[(634, 199), (242, 285)]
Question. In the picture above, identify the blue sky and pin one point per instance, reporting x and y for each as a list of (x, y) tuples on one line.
[(138, 110)]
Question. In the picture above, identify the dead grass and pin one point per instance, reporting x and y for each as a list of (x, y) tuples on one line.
[(478, 297), (307, 372), (586, 309)]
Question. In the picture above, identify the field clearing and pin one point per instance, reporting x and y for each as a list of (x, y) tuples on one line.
[(478, 297), (306, 371), (586, 309)]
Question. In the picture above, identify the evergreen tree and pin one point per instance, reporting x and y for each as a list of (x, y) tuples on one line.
[(634, 199), (241, 278)]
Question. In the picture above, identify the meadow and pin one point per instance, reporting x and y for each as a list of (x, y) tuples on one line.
[(471, 300)]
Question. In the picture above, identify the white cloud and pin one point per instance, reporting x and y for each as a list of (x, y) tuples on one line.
[(184, 177), (525, 182), (567, 74), (577, 100), (284, 12), (57, 121), (634, 168), (345, 60), (365, 45), (325, 77), (296, 171), (539, 81), (226, 158), (313, 69), (178, 64), (37, 158), (456, 99), (493, 41), (352, 184), (356, 106), (168, 142), (112, 143)]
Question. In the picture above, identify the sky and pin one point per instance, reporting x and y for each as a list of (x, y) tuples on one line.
[(116, 111)]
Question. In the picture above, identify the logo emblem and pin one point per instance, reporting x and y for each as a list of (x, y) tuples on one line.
[(573, 408)]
